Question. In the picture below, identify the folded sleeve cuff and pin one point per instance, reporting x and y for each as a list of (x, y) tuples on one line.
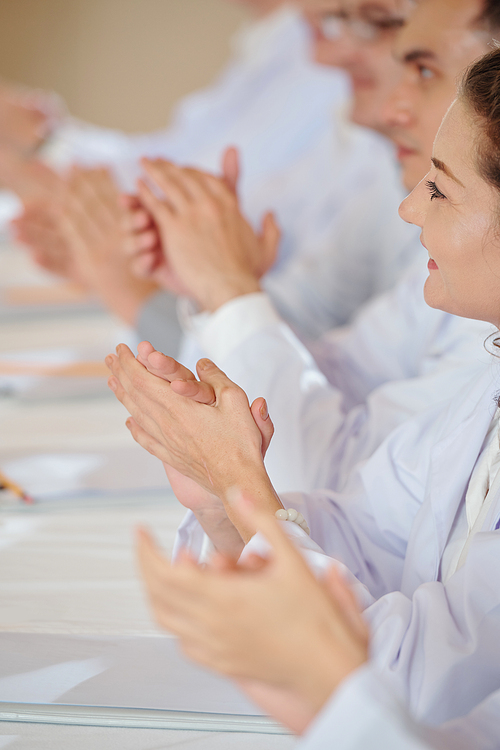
[(364, 713), (221, 332)]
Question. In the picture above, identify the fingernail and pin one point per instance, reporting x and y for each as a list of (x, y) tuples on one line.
[(112, 384), (108, 360), (128, 424), (264, 412), (204, 364)]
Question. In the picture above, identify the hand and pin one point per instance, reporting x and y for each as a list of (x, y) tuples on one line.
[(207, 507), (29, 178), (268, 623), (219, 447), (143, 243), (39, 229), (26, 117), (210, 251), (91, 222)]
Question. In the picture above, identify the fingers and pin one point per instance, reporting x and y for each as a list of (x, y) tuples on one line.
[(136, 243), (222, 563), (175, 592), (136, 218), (202, 393), (263, 421), (158, 208), (129, 201), (146, 263), (176, 184), (183, 381), (145, 396), (144, 349), (253, 563), (146, 441), (183, 186), (161, 365), (231, 168), (270, 238), (209, 373), (93, 197)]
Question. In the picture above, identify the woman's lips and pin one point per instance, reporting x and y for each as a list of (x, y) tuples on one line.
[(432, 265)]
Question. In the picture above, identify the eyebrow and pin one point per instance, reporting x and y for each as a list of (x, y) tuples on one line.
[(443, 168), (418, 54)]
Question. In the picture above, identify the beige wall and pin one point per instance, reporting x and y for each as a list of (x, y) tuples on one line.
[(120, 63)]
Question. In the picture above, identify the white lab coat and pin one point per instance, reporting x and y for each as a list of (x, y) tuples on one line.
[(436, 645), (365, 713), (398, 358), (300, 156)]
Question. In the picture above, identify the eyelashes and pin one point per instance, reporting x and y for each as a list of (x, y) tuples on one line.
[(434, 191)]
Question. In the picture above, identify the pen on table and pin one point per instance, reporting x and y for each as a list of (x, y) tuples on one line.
[(8, 484)]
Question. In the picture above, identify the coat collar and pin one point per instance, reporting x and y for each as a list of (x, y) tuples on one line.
[(453, 458)]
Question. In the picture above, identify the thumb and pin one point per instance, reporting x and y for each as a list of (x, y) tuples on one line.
[(231, 168), (208, 372), (270, 237), (263, 421)]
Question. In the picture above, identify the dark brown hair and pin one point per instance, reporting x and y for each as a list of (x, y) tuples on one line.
[(480, 90)]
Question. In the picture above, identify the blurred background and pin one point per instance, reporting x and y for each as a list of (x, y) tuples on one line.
[(109, 59)]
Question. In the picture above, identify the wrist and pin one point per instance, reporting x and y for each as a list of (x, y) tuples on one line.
[(220, 530), (217, 294), (318, 683), (256, 484)]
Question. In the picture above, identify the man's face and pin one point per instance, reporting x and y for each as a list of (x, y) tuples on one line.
[(358, 36), (440, 40)]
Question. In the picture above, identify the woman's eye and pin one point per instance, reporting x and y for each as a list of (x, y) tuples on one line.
[(434, 191)]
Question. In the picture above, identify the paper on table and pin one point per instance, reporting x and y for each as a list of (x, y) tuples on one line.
[(55, 294), (119, 470), (144, 674), (47, 684), (56, 373)]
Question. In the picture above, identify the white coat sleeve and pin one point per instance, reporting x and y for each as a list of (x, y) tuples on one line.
[(365, 713), (331, 415)]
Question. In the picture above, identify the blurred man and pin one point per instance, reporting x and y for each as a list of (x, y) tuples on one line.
[(300, 158)]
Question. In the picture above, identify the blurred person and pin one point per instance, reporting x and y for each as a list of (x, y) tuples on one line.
[(417, 524), (399, 356), (305, 177), (357, 37)]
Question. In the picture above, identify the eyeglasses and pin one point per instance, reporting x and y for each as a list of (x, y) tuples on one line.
[(334, 25)]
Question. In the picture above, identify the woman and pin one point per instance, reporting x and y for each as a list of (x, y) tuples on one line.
[(417, 525)]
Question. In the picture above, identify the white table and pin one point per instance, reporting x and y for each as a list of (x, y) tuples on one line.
[(68, 566)]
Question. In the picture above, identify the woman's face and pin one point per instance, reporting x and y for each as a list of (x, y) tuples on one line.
[(460, 218)]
